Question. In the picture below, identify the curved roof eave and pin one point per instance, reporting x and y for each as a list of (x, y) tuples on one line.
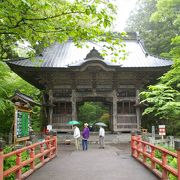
[(67, 55)]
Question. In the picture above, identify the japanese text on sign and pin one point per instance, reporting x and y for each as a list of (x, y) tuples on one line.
[(22, 124)]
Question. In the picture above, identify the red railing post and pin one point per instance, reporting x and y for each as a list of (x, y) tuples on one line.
[(55, 143), (1, 164), (132, 145), (139, 146), (32, 156), (153, 165), (48, 144), (144, 151), (178, 163), (18, 163), (164, 163), (42, 151)]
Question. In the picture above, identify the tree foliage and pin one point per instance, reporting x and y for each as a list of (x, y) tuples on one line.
[(40, 23), (27, 26), (159, 25), (9, 82), (172, 77), (92, 112), (162, 100), (3, 87)]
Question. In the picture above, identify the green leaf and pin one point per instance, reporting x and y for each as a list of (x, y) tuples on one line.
[(88, 11), (26, 3)]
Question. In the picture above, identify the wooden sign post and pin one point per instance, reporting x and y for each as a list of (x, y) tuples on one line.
[(23, 109)]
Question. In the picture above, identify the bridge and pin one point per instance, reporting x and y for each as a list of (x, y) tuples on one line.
[(116, 161)]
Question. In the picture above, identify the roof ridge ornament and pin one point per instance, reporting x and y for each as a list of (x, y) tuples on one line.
[(94, 53)]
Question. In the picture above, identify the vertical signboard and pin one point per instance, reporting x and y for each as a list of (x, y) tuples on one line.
[(21, 125), (162, 130)]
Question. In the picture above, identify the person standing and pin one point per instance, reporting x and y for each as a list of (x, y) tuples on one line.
[(77, 135), (85, 136), (101, 137)]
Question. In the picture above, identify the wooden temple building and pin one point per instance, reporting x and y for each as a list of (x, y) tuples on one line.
[(69, 76)]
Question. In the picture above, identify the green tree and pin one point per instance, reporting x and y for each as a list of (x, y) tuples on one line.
[(5, 75), (163, 105), (162, 101), (167, 14), (172, 77), (159, 28), (9, 82), (91, 112), (27, 26), (105, 118), (38, 24), (157, 23), (139, 21)]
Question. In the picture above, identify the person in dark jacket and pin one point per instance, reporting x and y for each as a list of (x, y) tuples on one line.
[(85, 136)]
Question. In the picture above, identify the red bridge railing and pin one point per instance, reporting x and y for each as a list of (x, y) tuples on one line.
[(145, 152), (39, 154)]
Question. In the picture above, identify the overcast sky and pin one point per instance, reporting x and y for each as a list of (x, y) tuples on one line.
[(124, 9)]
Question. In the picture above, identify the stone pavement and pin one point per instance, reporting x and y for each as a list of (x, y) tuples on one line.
[(112, 163)]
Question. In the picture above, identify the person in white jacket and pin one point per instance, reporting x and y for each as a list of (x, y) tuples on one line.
[(101, 137), (77, 136)]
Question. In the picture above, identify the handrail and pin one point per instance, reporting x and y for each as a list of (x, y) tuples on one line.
[(46, 151), (144, 152)]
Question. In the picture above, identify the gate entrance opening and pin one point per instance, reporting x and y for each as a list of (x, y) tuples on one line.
[(92, 112)]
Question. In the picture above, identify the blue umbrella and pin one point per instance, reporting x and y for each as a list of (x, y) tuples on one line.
[(73, 122)]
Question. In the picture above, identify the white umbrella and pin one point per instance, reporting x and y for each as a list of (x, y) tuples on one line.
[(101, 124)]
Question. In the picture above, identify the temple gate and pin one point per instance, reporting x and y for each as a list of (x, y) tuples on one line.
[(70, 75)]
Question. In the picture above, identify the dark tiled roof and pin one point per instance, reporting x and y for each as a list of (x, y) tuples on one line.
[(23, 97), (68, 55)]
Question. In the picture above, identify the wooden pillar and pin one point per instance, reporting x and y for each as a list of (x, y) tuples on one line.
[(51, 106), (73, 102), (138, 113), (114, 93), (1, 163), (44, 109)]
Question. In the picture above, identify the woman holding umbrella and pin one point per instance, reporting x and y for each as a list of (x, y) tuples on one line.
[(77, 133), (101, 137), (76, 136)]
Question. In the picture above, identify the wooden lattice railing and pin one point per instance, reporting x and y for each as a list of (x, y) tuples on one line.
[(39, 154), (145, 152)]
